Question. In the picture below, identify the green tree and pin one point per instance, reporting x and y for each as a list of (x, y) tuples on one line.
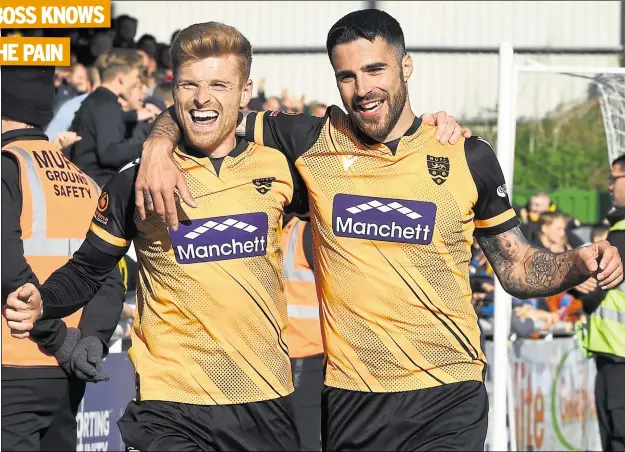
[(564, 150), (567, 149)]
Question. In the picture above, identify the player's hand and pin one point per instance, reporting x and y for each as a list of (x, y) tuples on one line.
[(65, 139), (157, 178), (587, 286), (447, 129), (86, 361), (603, 261), (22, 310)]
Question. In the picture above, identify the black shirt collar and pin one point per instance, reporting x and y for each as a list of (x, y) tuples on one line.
[(392, 145), (241, 146), (23, 134)]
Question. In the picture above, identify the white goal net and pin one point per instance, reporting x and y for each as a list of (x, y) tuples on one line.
[(535, 404), (611, 89)]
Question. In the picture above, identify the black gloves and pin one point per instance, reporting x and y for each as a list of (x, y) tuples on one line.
[(64, 354), (87, 360), (81, 358)]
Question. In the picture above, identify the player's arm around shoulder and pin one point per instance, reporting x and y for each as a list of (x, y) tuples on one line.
[(523, 270)]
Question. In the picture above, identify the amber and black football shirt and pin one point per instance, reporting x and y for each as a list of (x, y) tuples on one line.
[(212, 315), (393, 226)]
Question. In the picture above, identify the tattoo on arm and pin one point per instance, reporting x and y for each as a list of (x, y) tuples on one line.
[(243, 114), (165, 126), (527, 272)]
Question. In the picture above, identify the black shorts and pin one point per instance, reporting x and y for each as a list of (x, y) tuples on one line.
[(449, 417), (158, 426), (40, 414)]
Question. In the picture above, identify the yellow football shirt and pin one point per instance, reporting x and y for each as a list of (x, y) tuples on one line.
[(211, 313), (393, 226)]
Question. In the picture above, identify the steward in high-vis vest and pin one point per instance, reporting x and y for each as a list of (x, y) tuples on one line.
[(304, 330), (604, 335), (47, 205)]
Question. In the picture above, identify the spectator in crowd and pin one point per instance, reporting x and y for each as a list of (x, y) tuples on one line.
[(101, 43), (318, 109), (80, 78), (163, 58), (530, 214), (100, 121), (126, 29), (272, 104), (564, 309), (132, 103), (537, 204), (482, 279), (64, 116), (599, 232), (163, 91), (148, 44), (146, 58), (552, 232), (139, 129), (64, 89), (151, 75), (257, 103)]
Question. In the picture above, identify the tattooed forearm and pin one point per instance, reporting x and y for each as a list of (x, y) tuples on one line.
[(165, 126), (243, 114), (527, 272)]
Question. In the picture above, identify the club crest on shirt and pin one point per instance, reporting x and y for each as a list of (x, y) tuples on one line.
[(221, 238), (103, 202), (438, 168), (383, 219), (263, 185)]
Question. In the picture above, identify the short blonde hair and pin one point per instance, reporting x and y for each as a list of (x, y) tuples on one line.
[(211, 39), (111, 63)]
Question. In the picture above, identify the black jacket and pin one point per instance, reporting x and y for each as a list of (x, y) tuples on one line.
[(104, 147), (98, 318)]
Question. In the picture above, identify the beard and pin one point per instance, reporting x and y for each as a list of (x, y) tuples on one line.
[(380, 128), (206, 141)]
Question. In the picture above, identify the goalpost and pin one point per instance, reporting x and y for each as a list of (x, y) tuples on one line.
[(610, 83)]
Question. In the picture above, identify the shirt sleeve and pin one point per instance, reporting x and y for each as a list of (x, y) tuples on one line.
[(112, 228), (493, 212), (291, 134), (100, 316), (299, 203), (108, 239)]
